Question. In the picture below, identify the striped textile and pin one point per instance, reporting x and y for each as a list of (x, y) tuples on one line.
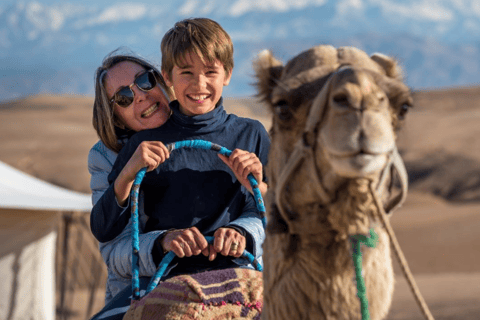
[(220, 294)]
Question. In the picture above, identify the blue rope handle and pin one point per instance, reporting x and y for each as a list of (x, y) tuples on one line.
[(199, 144)]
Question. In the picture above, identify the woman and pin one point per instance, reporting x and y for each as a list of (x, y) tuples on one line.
[(121, 109), (131, 96)]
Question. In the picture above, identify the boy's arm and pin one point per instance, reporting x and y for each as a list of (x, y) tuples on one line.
[(250, 219), (108, 218), (117, 252), (147, 154), (111, 213)]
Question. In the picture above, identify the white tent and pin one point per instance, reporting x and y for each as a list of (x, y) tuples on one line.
[(29, 212)]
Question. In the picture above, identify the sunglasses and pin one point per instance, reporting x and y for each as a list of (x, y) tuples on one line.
[(124, 96)]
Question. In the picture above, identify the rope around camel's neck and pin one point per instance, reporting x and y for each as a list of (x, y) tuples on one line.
[(353, 210)]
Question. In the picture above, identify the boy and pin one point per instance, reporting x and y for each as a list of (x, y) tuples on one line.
[(194, 194)]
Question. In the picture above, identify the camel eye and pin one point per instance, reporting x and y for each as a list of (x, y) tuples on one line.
[(282, 111), (403, 111)]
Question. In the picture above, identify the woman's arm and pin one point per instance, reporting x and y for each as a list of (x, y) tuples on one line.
[(118, 253), (105, 210)]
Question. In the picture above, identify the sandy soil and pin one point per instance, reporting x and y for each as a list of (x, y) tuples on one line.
[(437, 228)]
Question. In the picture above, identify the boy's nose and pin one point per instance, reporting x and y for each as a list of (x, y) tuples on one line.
[(201, 81)]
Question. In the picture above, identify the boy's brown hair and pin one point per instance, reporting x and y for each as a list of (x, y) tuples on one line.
[(202, 36)]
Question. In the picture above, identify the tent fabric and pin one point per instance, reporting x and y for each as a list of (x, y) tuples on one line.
[(27, 275), (20, 190), (29, 213)]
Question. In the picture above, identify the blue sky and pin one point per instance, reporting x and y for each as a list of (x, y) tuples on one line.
[(438, 41)]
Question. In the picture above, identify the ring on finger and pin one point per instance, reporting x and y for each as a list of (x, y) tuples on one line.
[(234, 246)]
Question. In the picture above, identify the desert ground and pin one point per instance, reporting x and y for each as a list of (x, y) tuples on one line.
[(437, 228)]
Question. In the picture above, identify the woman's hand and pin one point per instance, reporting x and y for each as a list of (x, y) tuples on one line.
[(185, 242), (228, 242), (242, 163), (148, 154)]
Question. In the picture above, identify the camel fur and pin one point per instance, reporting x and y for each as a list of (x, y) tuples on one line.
[(360, 102)]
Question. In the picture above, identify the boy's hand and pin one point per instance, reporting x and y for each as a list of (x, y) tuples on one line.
[(242, 163), (185, 242), (148, 154), (228, 242)]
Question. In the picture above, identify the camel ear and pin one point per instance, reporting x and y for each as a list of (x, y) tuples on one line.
[(391, 67), (267, 71)]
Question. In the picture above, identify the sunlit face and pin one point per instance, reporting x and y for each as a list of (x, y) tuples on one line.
[(148, 110), (197, 86)]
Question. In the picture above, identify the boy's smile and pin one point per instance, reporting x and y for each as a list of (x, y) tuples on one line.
[(197, 86)]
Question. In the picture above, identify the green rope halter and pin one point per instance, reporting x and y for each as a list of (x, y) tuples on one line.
[(371, 242)]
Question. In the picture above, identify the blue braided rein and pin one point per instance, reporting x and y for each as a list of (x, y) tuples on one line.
[(199, 144)]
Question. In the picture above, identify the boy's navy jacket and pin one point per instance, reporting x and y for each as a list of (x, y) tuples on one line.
[(193, 187)]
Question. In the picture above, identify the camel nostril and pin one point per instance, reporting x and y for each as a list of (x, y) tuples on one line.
[(341, 99), (362, 137)]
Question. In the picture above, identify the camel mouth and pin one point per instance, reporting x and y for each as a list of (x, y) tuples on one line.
[(362, 154), (359, 164)]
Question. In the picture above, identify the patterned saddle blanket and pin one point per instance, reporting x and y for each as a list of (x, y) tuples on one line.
[(220, 294)]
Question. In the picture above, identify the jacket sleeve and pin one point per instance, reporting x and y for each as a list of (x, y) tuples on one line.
[(118, 253), (107, 218), (100, 162), (252, 224)]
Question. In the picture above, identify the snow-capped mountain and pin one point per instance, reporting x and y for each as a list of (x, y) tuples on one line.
[(55, 48)]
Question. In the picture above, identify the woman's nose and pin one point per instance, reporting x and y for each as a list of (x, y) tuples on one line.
[(140, 95)]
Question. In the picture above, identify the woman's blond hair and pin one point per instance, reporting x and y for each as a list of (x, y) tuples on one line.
[(202, 36), (104, 119)]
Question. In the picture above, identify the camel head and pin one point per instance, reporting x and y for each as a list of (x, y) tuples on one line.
[(335, 117)]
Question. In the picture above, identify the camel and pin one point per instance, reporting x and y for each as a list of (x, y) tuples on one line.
[(336, 112), (333, 158)]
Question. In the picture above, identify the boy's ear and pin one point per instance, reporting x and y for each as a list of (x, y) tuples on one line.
[(228, 76), (166, 77)]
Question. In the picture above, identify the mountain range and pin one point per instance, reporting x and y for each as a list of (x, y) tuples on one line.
[(55, 47)]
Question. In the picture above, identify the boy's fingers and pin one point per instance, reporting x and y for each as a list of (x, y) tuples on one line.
[(213, 254), (227, 247), (206, 251), (200, 240), (226, 160), (218, 242), (178, 249)]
